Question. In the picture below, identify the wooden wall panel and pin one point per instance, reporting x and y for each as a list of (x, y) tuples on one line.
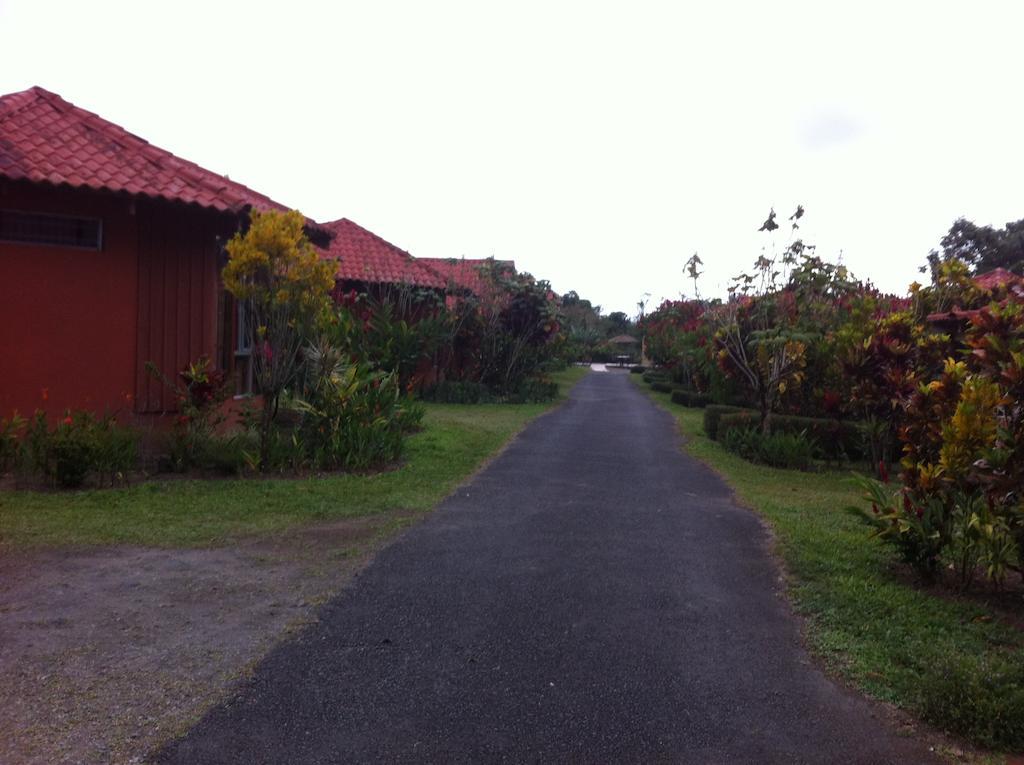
[(178, 290)]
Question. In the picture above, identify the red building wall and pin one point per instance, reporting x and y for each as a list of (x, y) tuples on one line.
[(67, 316), (77, 326)]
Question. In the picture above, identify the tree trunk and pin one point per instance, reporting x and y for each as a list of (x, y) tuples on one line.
[(765, 408), (266, 420)]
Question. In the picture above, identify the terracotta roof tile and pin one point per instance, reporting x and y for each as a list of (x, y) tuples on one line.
[(998, 277), (463, 273), (45, 139), (365, 257)]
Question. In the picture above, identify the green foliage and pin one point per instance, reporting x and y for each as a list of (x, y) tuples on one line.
[(713, 414), (79, 446), (791, 451), (918, 530), (690, 398), (961, 429), (655, 375), (637, 369), (661, 386), (983, 248), (975, 697), (399, 331), (678, 339), (516, 331), (836, 440), (10, 436), (352, 416), (200, 390), (587, 330)]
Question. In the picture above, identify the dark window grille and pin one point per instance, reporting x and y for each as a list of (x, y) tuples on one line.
[(57, 230)]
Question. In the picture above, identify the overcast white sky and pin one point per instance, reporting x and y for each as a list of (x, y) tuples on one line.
[(597, 144)]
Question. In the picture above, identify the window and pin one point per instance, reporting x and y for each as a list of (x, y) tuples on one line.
[(243, 349), (57, 230), (244, 346)]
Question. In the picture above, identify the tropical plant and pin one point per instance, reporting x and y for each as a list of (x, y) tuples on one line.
[(352, 415), (284, 285), (200, 391)]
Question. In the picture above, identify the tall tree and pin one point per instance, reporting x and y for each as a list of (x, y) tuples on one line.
[(983, 248)]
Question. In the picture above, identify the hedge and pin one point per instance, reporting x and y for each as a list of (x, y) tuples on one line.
[(713, 413), (661, 386), (653, 375), (690, 398), (835, 438), (638, 369)]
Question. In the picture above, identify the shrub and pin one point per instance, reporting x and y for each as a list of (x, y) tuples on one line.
[(837, 440), (227, 456), (78, 446), (792, 451), (661, 386), (10, 432), (713, 413), (690, 398), (637, 369), (351, 415), (200, 390), (115, 451), (654, 375), (971, 697), (958, 530), (410, 415)]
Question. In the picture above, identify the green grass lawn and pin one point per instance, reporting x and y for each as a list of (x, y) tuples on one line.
[(455, 441), (950, 661)]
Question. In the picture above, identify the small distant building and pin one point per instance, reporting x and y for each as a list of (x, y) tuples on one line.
[(626, 345), (369, 263)]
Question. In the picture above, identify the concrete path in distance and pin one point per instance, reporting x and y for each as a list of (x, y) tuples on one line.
[(594, 595)]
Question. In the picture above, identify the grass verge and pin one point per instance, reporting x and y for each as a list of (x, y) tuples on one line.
[(952, 662), (455, 442)]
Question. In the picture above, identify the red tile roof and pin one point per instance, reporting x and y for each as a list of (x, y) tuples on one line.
[(365, 257), (989, 281), (45, 139), (998, 277), (463, 272)]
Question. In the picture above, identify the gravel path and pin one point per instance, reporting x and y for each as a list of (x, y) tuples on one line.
[(594, 595)]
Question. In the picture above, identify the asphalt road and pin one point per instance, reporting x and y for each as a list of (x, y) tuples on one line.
[(593, 596)]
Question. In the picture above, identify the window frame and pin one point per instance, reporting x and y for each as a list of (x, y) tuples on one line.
[(100, 241)]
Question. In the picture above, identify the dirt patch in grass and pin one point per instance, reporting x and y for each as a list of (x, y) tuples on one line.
[(107, 652)]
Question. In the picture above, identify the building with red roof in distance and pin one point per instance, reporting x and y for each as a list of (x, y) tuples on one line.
[(997, 281), (365, 259), (110, 253), (466, 274), (996, 278)]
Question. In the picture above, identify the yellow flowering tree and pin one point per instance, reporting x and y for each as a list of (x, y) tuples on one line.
[(284, 285)]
